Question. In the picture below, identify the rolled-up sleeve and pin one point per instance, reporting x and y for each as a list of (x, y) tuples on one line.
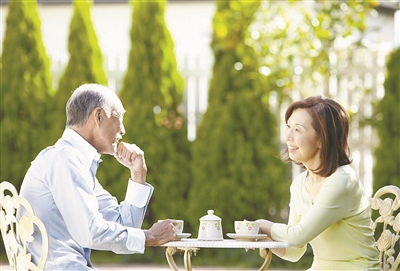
[(138, 194)]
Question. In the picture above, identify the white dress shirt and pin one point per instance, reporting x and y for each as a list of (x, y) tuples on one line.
[(79, 215)]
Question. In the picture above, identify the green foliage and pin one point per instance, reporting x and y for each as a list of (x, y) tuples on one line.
[(235, 166), (85, 64), (152, 94), (25, 91), (298, 42), (387, 121)]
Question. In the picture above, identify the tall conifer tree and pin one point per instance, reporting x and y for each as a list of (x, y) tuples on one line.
[(152, 94), (25, 91), (387, 154), (85, 64), (236, 171)]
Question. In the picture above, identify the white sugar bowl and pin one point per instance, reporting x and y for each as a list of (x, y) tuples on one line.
[(210, 227)]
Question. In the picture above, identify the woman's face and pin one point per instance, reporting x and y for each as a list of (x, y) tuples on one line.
[(302, 140)]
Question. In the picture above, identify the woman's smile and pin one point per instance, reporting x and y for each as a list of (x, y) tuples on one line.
[(302, 139)]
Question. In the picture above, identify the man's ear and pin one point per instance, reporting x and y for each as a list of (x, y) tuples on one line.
[(97, 115)]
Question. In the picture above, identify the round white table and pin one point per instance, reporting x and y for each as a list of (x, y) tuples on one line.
[(191, 246)]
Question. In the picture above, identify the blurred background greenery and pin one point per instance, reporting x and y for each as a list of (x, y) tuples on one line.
[(266, 54)]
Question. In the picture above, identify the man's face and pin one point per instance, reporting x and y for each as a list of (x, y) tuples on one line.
[(111, 129)]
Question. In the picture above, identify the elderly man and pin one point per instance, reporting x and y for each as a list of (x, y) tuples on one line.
[(61, 185)]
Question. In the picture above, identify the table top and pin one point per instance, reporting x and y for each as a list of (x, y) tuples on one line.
[(226, 243)]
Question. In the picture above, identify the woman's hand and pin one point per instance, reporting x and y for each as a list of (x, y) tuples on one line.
[(265, 226)]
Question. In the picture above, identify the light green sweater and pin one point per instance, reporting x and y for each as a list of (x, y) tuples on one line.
[(337, 225)]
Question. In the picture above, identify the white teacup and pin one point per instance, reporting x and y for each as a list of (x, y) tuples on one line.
[(178, 226), (247, 227)]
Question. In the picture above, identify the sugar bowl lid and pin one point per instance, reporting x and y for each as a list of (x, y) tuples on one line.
[(210, 216)]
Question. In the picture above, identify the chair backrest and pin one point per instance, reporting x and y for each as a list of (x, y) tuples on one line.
[(387, 202), (17, 231)]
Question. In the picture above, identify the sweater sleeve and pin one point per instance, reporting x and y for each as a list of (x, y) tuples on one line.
[(331, 205)]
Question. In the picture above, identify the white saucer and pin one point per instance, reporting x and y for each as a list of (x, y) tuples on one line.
[(246, 237), (182, 235)]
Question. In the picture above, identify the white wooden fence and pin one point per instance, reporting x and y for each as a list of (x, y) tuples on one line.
[(356, 84)]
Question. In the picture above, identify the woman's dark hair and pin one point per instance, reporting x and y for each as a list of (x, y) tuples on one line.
[(331, 122)]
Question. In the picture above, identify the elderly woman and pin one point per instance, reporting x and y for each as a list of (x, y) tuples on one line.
[(328, 206)]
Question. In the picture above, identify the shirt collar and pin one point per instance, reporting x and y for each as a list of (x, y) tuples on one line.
[(89, 153)]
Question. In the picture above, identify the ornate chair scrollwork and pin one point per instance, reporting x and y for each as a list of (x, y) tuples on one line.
[(387, 202), (17, 231)]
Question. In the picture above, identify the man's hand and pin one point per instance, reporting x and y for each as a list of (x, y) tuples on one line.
[(161, 233), (132, 157)]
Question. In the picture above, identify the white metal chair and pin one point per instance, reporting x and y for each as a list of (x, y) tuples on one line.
[(387, 202), (17, 232)]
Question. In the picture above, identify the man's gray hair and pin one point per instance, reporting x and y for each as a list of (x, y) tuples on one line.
[(86, 98)]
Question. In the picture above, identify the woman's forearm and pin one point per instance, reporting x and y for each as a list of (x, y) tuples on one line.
[(265, 228)]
